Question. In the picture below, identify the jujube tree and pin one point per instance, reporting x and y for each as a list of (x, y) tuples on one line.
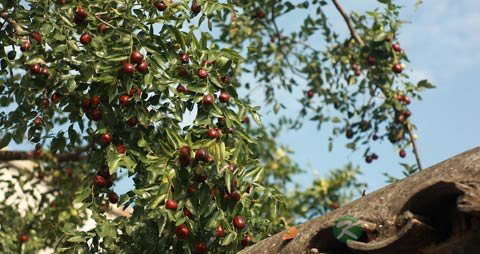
[(155, 88)]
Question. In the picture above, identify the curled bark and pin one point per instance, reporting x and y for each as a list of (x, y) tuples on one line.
[(436, 210)]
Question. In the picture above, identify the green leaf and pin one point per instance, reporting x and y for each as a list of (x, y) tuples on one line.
[(229, 238), (228, 180), (77, 239), (106, 230), (425, 84), (5, 140)]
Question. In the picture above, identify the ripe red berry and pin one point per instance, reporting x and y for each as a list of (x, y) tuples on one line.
[(23, 238), (402, 153), (260, 14), (184, 58), (181, 89), (128, 68), (213, 133), (44, 103), (135, 91), (239, 222), (356, 69), (246, 120), (102, 28), (55, 98), (225, 79), (80, 12), (171, 205), (407, 114), (195, 8), (99, 181), (121, 149), (37, 37), (187, 212), (399, 118), (235, 196), (396, 47), (200, 247), (143, 67), (96, 114), (123, 100), (201, 155), (35, 68), (106, 138), (185, 151), (220, 232), (349, 134), (192, 188), (44, 70), (246, 240), (208, 100), (38, 121), (368, 159), (397, 68), (132, 122), (25, 46), (184, 156), (182, 231), (224, 97), (406, 99), (95, 101), (202, 73), (210, 159), (37, 153), (136, 56), (334, 205), (161, 6), (85, 38), (112, 197), (310, 93), (371, 60), (85, 104)]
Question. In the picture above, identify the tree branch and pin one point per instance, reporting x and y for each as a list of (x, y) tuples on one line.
[(28, 155), (16, 26), (349, 22), (414, 145), (279, 37)]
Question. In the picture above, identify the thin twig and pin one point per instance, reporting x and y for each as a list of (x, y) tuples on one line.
[(278, 35), (28, 155), (414, 145), (349, 22)]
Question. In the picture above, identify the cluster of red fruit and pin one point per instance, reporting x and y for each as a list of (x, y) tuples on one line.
[(104, 179), (26, 45), (201, 155), (182, 231), (397, 68), (195, 8), (38, 69), (371, 157), (92, 109), (356, 69), (135, 57)]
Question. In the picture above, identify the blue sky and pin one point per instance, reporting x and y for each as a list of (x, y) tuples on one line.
[(441, 41)]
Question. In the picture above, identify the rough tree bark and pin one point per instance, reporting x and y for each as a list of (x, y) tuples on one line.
[(436, 210)]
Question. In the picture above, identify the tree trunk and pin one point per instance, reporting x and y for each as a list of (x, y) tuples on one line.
[(436, 210)]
